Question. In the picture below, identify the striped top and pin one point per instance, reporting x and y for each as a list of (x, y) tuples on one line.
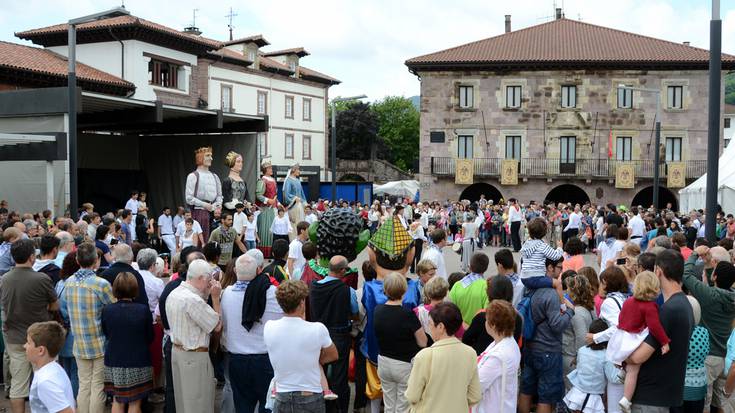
[(533, 257)]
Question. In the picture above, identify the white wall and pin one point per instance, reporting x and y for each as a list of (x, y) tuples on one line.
[(245, 86), (106, 56), (729, 133)]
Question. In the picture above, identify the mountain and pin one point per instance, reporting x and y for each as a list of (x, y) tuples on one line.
[(416, 100)]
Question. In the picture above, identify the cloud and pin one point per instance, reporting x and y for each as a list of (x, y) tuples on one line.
[(365, 43)]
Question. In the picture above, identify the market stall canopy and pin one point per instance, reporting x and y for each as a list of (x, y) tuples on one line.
[(694, 196), (397, 188)]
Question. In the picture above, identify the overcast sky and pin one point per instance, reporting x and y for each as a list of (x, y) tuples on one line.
[(365, 43)]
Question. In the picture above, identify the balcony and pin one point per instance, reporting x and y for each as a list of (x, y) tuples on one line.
[(554, 168)]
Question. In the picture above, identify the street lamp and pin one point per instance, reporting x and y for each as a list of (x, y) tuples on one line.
[(713, 129), (334, 139), (72, 90), (656, 155)]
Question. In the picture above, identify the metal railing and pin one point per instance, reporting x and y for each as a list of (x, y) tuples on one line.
[(554, 167)]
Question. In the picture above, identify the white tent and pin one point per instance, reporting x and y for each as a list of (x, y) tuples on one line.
[(397, 188), (694, 196)]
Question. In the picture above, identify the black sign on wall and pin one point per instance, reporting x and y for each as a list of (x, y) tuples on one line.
[(436, 137)]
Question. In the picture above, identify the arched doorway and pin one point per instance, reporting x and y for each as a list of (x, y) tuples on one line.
[(351, 178), (644, 197), (567, 193), (473, 192)]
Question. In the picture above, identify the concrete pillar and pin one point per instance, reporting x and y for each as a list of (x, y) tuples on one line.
[(50, 185)]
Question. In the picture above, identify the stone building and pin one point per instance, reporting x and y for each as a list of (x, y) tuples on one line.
[(550, 97)]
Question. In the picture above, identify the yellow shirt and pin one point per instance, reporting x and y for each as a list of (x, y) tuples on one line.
[(444, 378)]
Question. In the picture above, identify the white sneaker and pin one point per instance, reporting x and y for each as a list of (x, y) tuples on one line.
[(625, 405)]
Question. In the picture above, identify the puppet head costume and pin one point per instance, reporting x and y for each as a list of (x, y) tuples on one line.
[(339, 232), (200, 155), (231, 158)]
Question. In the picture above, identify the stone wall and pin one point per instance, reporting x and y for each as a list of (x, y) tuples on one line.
[(377, 170), (540, 121)]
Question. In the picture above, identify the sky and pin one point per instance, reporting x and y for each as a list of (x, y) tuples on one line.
[(365, 43)]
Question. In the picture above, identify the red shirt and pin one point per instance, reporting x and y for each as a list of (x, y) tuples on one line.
[(636, 315)]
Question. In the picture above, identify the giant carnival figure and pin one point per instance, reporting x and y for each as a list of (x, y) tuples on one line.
[(293, 195), (266, 197), (234, 188), (203, 190)]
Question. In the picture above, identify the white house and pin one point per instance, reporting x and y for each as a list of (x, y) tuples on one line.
[(727, 124)]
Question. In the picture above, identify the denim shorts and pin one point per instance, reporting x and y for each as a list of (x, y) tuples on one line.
[(543, 375), (294, 402)]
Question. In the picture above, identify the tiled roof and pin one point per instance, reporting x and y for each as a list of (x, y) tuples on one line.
[(128, 21), (298, 51), (729, 109), (309, 74), (45, 62), (230, 56), (272, 64), (568, 43), (257, 39)]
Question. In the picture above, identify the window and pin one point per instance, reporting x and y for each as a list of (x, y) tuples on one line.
[(164, 74), (568, 149), (464, 146), (263, 144), (307, 109), (512, 96), (226, 97), (675, 95), (623, 151), (289, 107), (513, 147), (289, 146), (673, 149), (262, 103), (466, 97), (727, 123), (251, 55), (625, 98), (292, 65), (569, 96), (306, 147)]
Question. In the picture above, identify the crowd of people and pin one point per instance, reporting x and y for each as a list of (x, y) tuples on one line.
[(132, 310)]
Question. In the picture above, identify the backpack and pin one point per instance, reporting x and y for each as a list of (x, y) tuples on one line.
[(524, 309)]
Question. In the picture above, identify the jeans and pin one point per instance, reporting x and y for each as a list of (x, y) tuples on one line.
[(336, 372), (250, 245), (543, 376), (228, 400), (250, 376), (295, 402), (515, 236), (70, 367), (418, 248), (170, 406)]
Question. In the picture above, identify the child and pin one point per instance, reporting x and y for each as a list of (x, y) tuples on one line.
[(588, 379), (239, 219), (51, 389), (281, 225), (534, 254), (637, 318), (454, 277), (251, 231)]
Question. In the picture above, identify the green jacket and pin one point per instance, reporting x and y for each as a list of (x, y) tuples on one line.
[(718, 308)]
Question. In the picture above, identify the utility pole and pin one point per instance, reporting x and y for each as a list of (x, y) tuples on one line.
[(713, 132)]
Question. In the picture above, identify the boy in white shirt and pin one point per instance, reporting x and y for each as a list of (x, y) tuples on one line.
[(51, 389), (251, 230), (239, 219), (296, 261)]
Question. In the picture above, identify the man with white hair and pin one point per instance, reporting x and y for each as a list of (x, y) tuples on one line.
[(147, 258), (123, 256), (258, 257), (192, 322), (66, 245), (250, 369)]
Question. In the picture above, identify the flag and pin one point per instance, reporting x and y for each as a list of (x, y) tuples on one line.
[(609, 145)]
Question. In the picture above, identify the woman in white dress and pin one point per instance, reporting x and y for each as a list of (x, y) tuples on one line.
[(469, 233), (498, 365), (189, 237)]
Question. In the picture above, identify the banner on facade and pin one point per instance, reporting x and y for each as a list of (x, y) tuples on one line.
[(625, 176), (676, 177), (509, 172), (465, 173)]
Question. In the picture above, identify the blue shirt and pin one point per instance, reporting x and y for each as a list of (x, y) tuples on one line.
[(66, 351), (354, 308), (59, 260), (6, 260), (372, 296), (589, 376), (730, 356)]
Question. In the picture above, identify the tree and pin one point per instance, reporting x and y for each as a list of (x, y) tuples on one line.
[(730, 88), (398, 126), (357, 131)]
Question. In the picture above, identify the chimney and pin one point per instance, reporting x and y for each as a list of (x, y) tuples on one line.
[(559, 15), (192, 30), (687, 43), (507, 23)]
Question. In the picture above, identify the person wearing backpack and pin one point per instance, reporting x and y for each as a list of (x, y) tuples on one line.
[(546, 315)]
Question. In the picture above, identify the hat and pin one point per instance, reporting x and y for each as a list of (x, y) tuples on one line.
[(391, 239)]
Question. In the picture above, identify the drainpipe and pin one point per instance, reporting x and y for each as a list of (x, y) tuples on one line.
[(122, 53)]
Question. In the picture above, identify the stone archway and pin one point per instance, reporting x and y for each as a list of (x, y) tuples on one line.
[(567, 193), (351, 178), (644, 198), (473, 192)]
